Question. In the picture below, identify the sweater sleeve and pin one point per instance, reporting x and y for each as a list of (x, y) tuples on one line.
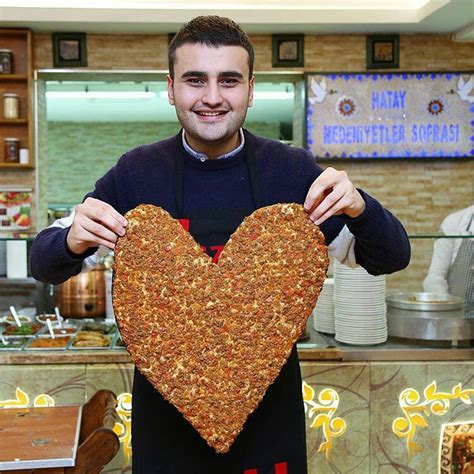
[(50, 259), (381, 242)]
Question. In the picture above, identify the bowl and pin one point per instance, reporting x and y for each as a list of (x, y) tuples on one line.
[(42, 318), (9, 319)]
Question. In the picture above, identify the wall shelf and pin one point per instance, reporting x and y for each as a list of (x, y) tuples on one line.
[(19, 82), (16, 165), (13, 121), (13, 77)]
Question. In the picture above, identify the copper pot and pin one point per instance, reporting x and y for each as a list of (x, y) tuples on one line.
[(83, 295)]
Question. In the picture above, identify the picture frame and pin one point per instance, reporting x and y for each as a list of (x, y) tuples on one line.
[(69, 50), (288, 50), (382, 51), (455, 453), (170, 37)]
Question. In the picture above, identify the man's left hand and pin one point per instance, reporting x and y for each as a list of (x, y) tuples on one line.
[(332, 193)]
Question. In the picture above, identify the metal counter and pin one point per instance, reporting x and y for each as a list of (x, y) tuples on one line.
[(392, 350)]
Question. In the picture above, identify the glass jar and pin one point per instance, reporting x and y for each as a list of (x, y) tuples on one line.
[(6, 60), (10, 106), (12, 150)]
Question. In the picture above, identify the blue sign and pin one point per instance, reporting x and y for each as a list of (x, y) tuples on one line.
[(390, 115)]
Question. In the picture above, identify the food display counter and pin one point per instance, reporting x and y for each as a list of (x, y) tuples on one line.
[(377, 408), (368, 407)]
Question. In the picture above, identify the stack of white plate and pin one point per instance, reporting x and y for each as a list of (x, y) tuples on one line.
[(323, 313), (360, 309)]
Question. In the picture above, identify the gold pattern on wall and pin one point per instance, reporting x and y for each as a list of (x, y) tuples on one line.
[(22, 400), (414, 408), (328, 403), (124, 429)]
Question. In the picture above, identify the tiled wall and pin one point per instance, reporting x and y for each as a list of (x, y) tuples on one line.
[(78, 154)]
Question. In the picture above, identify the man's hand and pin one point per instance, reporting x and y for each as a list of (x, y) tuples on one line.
[(95, 223), (332, 193)]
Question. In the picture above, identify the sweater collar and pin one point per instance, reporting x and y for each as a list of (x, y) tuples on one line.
[(203, 157)]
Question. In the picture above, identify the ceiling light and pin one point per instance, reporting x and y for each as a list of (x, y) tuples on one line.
[(100, 95)]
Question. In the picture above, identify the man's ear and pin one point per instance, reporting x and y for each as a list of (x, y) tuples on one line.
[(170, 89), (251, 88)]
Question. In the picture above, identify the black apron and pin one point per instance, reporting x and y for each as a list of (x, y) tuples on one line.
[(273, 438)]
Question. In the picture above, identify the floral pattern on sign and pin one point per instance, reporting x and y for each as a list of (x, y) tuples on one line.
[(324, 409), (414, 409)]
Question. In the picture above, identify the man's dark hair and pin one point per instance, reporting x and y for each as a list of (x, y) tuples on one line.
[(212, 31)]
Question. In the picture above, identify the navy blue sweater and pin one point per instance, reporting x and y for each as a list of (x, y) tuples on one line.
[(144, 175)]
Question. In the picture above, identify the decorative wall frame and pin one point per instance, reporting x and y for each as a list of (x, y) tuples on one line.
[(170, 37), (69, 50), (390, 115), (287, 50), (382, 51)]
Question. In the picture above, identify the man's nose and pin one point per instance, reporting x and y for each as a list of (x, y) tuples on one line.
[(212, 95)]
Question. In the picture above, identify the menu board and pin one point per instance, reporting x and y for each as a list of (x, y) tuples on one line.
[(403, 115)]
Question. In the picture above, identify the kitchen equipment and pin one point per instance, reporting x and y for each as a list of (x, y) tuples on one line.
[(428, 316), (424, 301), (83, 295)]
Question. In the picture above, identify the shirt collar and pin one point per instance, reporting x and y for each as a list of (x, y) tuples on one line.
[(203, 157)]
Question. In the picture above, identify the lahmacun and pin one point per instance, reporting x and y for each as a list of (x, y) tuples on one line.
[(211, 338)]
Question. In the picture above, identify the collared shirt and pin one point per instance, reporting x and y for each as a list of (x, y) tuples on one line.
[(203, 157)]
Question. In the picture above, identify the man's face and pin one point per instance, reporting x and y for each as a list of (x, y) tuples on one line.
[(211, 92)]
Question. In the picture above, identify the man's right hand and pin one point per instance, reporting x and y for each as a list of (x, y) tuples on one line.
[(95, 223)]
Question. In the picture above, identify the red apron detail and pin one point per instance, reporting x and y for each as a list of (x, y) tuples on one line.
[(280, 468)]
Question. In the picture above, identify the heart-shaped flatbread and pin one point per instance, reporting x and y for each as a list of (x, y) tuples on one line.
[(210, 337)]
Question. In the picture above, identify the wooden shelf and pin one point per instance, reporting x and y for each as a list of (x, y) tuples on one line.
[(16, 165), (13, 121), (13, 77), (20, 82)]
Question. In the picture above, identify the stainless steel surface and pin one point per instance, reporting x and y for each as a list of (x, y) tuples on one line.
[(424, 301), (430, 325), (404, 350)]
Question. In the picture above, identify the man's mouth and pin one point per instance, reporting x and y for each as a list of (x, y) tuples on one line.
[(203, 113)]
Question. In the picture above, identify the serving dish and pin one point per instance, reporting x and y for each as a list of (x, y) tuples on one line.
[(13, 344), (42, 318), (89, 340), (46, 343), (25, 330), (9, 319), (424, 301)]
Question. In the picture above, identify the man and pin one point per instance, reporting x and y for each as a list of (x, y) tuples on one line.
[(452, 264), (212, 175)]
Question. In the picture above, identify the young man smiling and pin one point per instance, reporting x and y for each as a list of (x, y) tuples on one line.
[(211, 175)]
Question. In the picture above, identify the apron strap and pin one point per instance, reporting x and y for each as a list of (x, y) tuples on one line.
[(179, 173)]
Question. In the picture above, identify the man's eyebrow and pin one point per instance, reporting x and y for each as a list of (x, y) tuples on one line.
[(193, 74), (231, 74), (204, 74)]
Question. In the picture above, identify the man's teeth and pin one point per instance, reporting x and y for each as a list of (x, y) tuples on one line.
[(210, 114)]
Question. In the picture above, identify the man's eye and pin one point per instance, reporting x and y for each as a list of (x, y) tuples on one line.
[(229, 82), (195, 81)]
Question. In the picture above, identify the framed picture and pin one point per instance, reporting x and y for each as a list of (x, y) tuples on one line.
[(382, 51), (287, 50), (456, 448), (69, 50), (170, 37)]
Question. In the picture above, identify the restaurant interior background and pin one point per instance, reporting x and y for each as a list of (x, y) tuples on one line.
[(77, 140)]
